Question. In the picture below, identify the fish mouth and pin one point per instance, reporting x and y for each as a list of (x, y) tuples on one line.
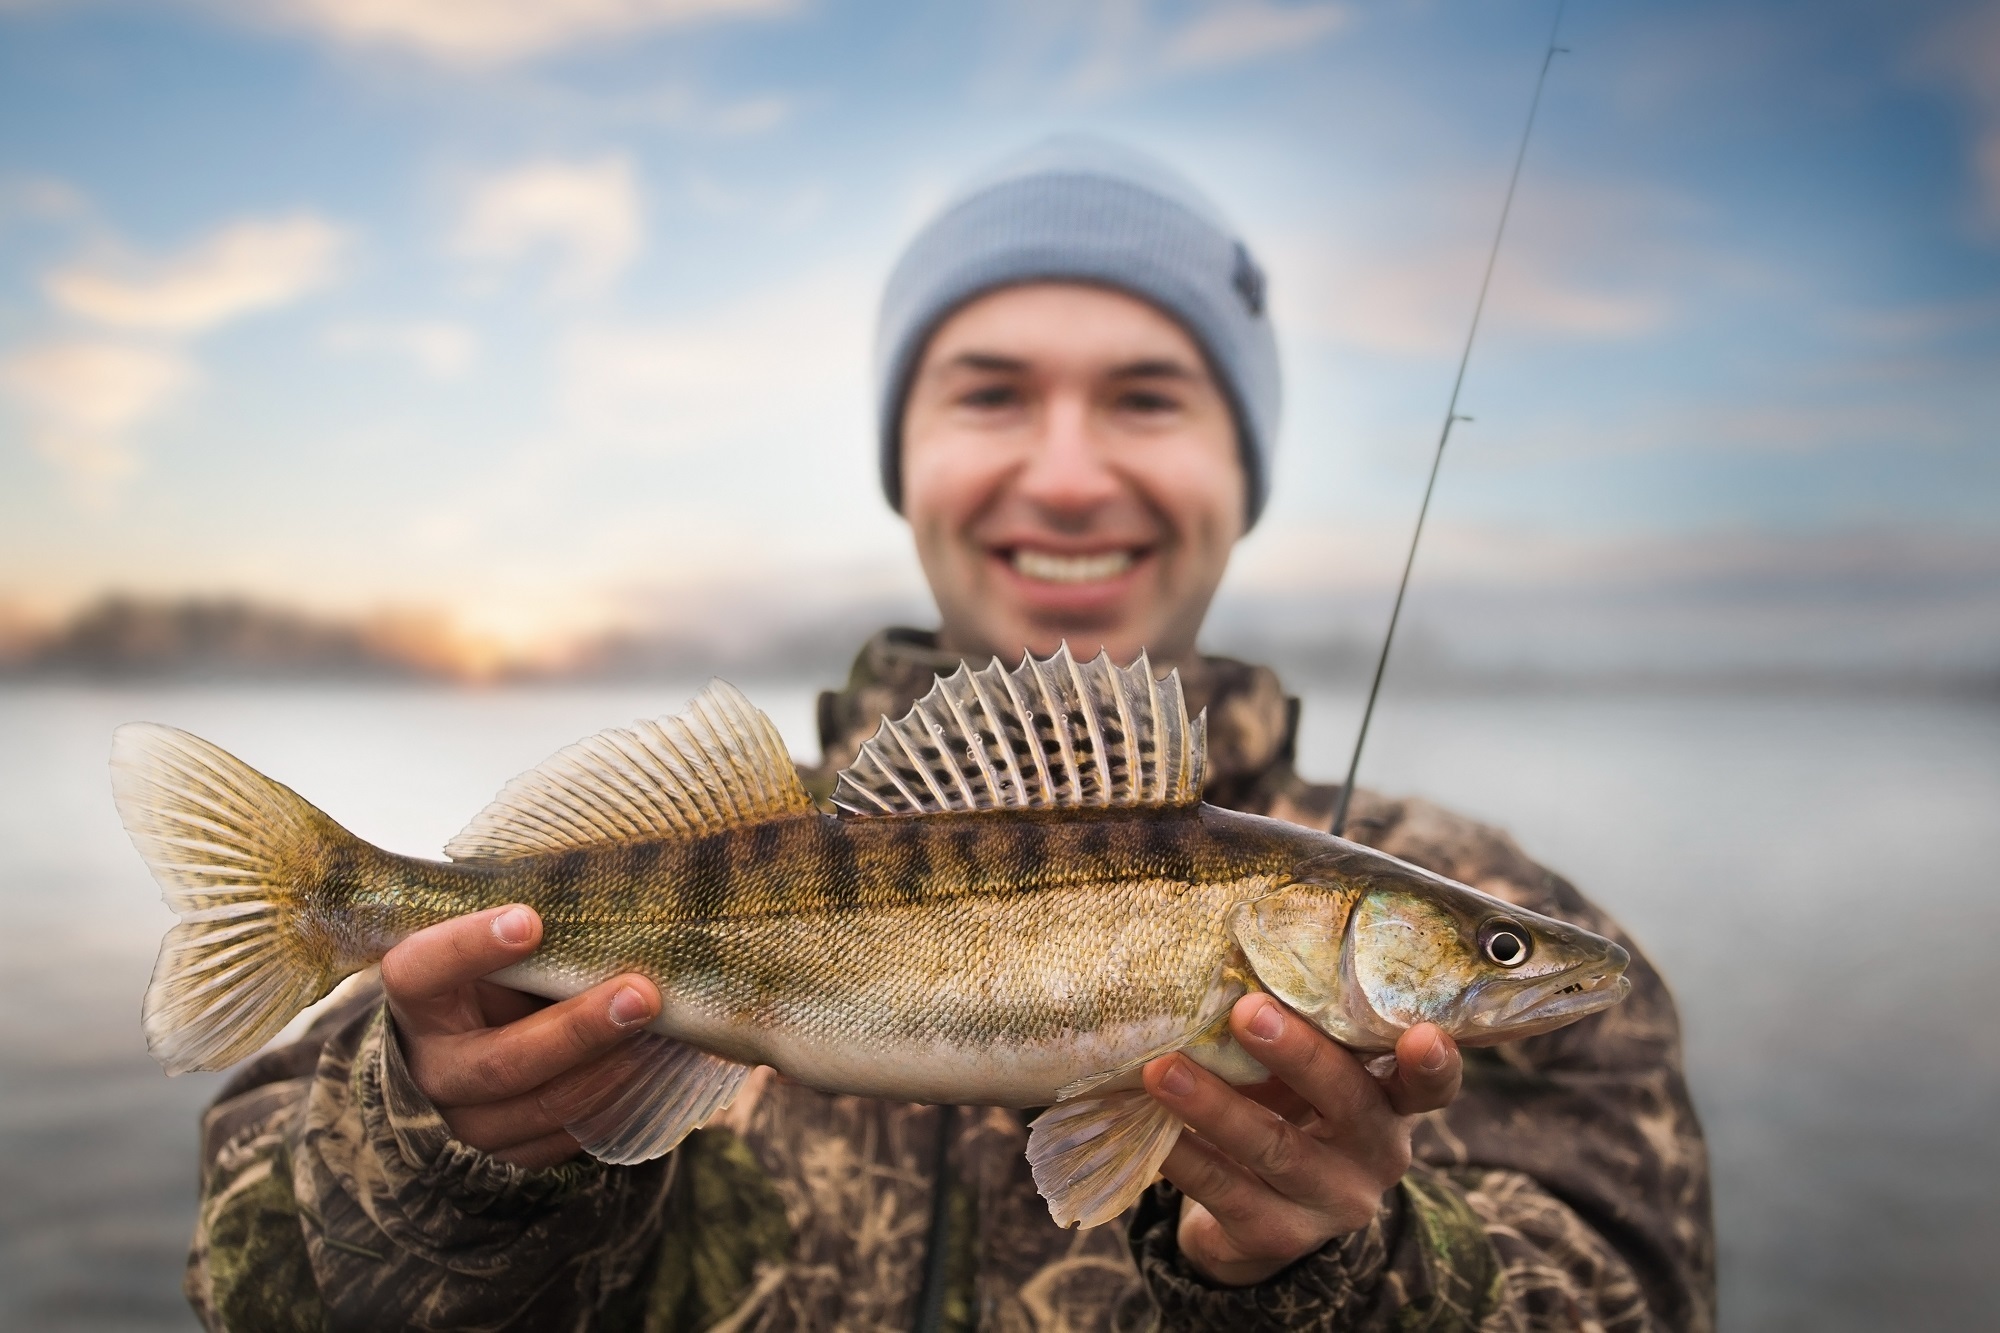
[(1552, 1001)]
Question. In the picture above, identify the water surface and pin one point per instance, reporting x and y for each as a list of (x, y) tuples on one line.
[(1815, 876)]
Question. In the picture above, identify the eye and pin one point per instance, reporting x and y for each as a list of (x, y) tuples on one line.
[(1146, 403), (991, 396), (1505, 943)]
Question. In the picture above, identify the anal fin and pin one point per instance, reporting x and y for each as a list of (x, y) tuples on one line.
[(1092, 1157), (641, 1100)]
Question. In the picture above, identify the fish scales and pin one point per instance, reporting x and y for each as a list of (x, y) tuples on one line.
[(875, 929), (1020, 902)]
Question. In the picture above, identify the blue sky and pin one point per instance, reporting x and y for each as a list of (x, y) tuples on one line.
[(551, 315)]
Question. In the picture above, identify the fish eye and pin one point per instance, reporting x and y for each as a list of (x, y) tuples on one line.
[(1505, 943)]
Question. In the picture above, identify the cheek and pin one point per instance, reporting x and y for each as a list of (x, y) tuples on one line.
[(1201, 495), (1399, 965), (945, 488)]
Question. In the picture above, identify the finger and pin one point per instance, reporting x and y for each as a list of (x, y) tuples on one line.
[(499, 1063), (427, 977), (1308, 1061), (494, 1127), (540, 1111), (501, 1005), (553, 1150), (1427, 1073), (1227, 1189), (1258, 1140), (1281, 1099)]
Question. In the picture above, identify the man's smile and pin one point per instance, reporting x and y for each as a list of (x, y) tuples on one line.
[(1070, 566)]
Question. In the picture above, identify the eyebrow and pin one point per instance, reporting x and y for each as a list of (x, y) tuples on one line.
[(988, 361), (1155, 368)]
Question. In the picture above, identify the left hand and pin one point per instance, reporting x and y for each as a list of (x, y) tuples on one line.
[(1281, 1168)]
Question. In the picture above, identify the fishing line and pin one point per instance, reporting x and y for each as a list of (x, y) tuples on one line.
[(1451, 416)]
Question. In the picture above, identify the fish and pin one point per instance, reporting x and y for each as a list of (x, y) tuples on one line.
[(1018, 899)]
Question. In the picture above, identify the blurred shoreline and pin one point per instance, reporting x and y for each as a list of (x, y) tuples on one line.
[(123, 639)]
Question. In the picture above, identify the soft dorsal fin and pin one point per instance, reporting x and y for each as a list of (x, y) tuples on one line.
[(1050, 733), (718, 764)]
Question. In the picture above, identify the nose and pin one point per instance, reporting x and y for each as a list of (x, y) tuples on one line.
[(1067, 475)]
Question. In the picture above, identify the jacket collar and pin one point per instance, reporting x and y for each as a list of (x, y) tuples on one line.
[(1252, 723)]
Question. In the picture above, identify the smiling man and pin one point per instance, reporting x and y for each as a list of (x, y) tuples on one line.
[(1079, 394), (1070, 471)]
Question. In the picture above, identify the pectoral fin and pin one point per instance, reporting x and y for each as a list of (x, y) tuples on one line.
[(1094, 1156), (643, 1099), (1292, 946)]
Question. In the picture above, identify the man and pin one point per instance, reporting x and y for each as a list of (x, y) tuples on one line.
[(1079, 393)]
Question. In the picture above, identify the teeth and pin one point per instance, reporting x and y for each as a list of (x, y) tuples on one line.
[(1051, 568)]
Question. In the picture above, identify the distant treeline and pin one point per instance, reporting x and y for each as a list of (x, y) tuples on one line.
[(120, 637)]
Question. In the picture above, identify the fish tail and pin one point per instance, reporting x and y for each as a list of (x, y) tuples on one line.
[(244, 861)]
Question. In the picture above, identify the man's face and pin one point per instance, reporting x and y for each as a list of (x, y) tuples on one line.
[(1069, 472)]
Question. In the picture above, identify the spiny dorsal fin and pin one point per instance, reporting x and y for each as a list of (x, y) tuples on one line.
[(718, 764), (1050, 733)]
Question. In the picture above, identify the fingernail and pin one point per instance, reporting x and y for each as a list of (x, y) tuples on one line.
[(514, 926), (1268, 1024), (629, 1007), (1434, 1058), (1177, 1081)]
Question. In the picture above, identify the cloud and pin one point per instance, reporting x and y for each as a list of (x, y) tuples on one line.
[(243, 268), (440, 350), (1246, 30), (83, 398), (1582, 262), (1416, 301), (41, 199), (586, 214), (1963, 53), (752, 115), (490, 32), (775, 366), (1130, 43)]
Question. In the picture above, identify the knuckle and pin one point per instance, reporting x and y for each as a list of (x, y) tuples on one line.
[(423, 1073), (1212, 1184), (491, 1071), (1291, 1238), (1310, 1051), (398, 972), (582, 1036), (1400, 1155), (1395, 1160), (1283, 1152)]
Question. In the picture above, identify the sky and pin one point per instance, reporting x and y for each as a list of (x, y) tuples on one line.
[(552, 316)]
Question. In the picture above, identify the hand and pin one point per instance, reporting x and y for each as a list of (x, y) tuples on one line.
[(483, 1053), (1281, 1168)]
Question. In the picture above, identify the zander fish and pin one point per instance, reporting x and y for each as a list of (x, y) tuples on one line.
[(1020, 901)]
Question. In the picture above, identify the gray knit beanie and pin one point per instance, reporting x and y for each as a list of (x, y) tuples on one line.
[(1086, 210)]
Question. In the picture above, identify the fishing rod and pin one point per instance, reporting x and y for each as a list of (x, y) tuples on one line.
[(1451, 417)]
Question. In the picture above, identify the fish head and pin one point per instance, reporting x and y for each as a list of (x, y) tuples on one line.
[(1482, 969)]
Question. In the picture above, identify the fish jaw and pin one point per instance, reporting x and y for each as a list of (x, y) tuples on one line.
[(1551, 1002), (1417, 954)]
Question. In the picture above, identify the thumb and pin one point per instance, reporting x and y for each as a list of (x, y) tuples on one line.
[(1428, 1071)]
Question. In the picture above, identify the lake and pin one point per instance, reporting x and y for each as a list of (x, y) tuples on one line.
[(1819, 878)]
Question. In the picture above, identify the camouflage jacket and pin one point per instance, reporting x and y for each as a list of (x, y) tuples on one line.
[(1566, 1188)]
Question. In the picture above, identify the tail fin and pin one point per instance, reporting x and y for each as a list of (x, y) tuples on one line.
[(238, 858)]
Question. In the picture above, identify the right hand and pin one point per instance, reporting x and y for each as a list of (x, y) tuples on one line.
[(484, 1054)]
